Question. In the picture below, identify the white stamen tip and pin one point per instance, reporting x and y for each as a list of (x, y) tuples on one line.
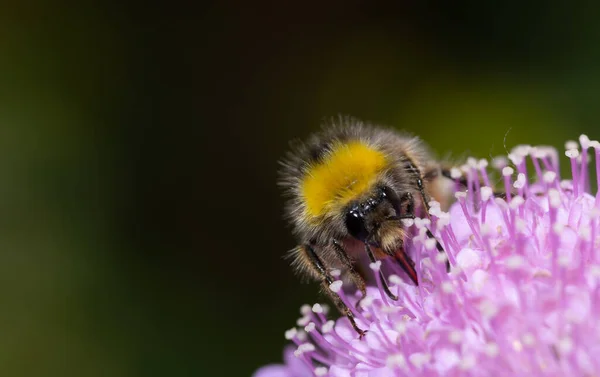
[(516, 202), (401, 327), (310, 327), (486, 193), (564, 261), (549, 176), (426, 262), (538, 152), (522, 150), (514, 262), (447, 287), (584, 141), (455, 336), (554, 198), (468, 362), (320, 371), (305, 309), (483, 164), (501, 203), (492, 349), (517, 346), (460, 195), (306, 347), (520, 182), (391, 309), (335, 273), (443, 220), (472, 162), (594, 270), (595, 144), (302, 335), (421, 223), (435, 211), (418, 359), (572, 153), (430, 244), (565, 345), (366, 301), (521, 225), (327, 326), (395, 279), (499, 162), (488, 309), (585, 233), (455, 173), (375, 266), (291, 333), (317, 308), (441, 258), (408, 222), (558, 228), (394, 361), (303, 321), (507, 171), (418, 222), (570, 144), (528, 339), (336, 286), (485, 229), (516, 159)]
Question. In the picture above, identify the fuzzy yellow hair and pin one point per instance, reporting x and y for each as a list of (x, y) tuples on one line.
[(348, 170)]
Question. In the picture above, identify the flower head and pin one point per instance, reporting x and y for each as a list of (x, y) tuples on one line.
[(523, 296)]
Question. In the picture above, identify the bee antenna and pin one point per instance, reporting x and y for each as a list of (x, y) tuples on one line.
[(505, 137)]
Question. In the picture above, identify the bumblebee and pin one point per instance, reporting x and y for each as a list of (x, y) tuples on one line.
[(348, 189)]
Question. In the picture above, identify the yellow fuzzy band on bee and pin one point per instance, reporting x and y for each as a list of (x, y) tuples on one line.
[(347, 171)]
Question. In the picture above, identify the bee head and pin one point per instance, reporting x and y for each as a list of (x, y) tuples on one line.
[(375, 219)]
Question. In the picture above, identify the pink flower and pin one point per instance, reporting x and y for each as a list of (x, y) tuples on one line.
[(293, 367), (523, 297)]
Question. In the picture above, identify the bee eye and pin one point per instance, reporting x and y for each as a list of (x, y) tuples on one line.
[(356, 225)]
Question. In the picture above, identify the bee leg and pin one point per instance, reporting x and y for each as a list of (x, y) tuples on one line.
[(342, 308), (358, 280), (326, 281), (384, 284), (420, 187), (425, 199), (410, 214)]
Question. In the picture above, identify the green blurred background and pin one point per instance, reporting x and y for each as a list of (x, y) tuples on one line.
[(141, 230)]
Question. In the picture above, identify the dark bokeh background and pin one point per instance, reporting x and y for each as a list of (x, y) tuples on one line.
[(141, 230)]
